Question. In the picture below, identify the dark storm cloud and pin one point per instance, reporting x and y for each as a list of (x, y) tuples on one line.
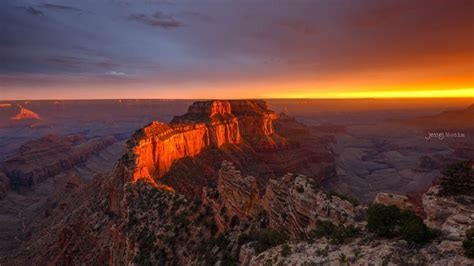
[(158, 19)]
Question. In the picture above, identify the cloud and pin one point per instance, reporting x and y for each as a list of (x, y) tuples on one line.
[(158, 19), (115, 73), (62, 7), (33, 11)]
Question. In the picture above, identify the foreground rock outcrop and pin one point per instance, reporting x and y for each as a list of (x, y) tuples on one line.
[(292, 203), (451, 216)]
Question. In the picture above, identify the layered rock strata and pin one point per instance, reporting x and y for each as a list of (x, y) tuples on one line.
[(452, 215), (292, 203), (49, 156), (208, 124)]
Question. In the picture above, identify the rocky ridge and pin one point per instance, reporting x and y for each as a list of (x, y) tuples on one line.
[(48, 156), (292, 203), (450, 216)]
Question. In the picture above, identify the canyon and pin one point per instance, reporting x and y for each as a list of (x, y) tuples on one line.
[(201, 189)]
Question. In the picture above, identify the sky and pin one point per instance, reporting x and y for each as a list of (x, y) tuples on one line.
[(82, 49)]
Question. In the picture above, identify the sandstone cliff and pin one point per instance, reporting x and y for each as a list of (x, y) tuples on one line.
[(211, 124)]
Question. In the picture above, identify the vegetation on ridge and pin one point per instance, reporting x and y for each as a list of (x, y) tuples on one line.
[(457, 179), (468, 243), (390, 221)]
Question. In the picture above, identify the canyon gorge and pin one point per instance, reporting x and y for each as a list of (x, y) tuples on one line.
[(206, 188)]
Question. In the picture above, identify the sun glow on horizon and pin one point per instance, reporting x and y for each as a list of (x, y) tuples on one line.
[(445, 93)]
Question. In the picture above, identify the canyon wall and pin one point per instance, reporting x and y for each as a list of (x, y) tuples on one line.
[(207, 124), (292, 203), (48, 156)]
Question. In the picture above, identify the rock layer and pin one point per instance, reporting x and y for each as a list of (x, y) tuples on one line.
[(48, 156), (292, 203)]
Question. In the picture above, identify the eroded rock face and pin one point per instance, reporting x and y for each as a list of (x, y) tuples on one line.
[(239, 194), (208, 124), (292, 203), (50, 155), (158, 146), (210, 108), (448, 214), (255, 118), (451, 215), (388, 199)]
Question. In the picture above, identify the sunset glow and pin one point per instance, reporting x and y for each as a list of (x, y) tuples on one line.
[(295, 49), (456, 93)]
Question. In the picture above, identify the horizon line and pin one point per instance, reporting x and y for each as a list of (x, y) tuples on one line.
[(250, 98)]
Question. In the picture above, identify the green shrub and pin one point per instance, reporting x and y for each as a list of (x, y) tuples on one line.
[(335, 234), (285, 250), (389, 221), (413, 229), (457, 179), (244, 239), (268, 238), (468, 243), (382, 220), (264, 239), (300, 189), (234, 221)]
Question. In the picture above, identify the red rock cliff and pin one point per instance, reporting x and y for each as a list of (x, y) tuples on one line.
[(207, 124)]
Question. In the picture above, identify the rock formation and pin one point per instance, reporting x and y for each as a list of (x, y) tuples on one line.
[(39, 159), (209, 124), (26, 114), (292, 203), (400, 201), (452, 215), (239, 194)]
